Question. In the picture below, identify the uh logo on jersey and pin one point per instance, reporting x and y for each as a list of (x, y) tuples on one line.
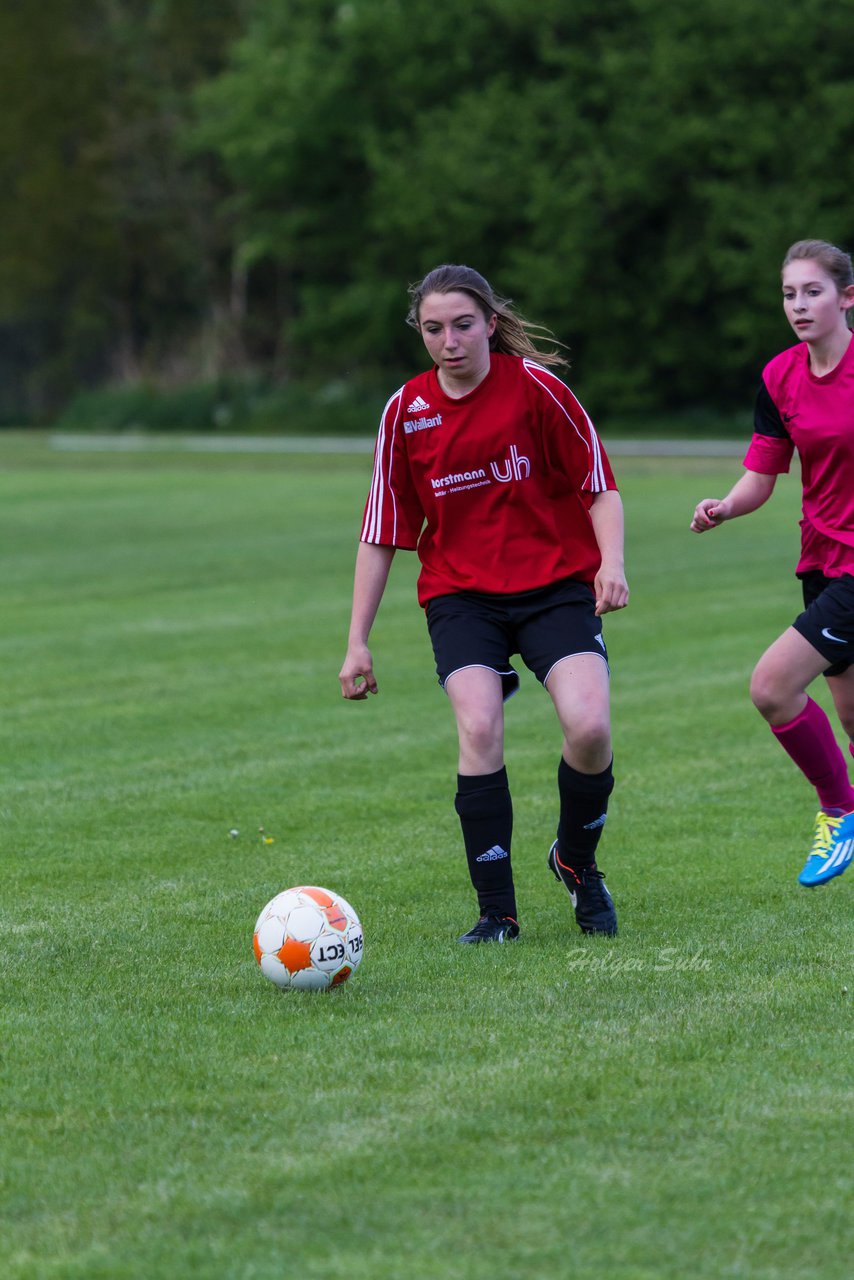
[(514, 467)]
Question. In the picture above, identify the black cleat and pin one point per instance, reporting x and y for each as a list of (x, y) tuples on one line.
[(593, 904), (492, 927)]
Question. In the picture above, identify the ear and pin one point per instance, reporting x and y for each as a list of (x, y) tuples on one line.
[(493, 321), (848, 297)]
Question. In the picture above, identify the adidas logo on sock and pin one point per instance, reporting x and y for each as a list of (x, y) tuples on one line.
[(418, 405), (493, 854)]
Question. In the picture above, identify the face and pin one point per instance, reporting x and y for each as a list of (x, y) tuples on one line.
[(456, 333), (814, 306)]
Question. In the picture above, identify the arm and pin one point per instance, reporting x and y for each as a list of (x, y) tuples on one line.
[(747, 494), (606, 515), (373, 562)]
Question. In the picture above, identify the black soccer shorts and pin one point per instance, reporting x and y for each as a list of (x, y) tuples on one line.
[(827, 621), (544, 626)]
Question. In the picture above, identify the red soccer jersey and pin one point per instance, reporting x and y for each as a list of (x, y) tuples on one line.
[(797, 410), (493, 488)]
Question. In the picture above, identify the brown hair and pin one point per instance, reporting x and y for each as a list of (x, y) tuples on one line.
[(836, 262), (513, 335)]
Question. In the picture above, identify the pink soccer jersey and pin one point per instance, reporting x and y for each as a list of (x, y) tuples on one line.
[(797, 410), (493, 488)]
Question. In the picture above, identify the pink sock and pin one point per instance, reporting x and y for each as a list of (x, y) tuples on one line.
[(810, 741)]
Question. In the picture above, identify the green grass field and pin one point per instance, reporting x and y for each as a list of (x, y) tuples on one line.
[(674, 1103)]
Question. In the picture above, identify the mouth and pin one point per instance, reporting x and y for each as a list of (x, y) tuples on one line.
[(802, 324)]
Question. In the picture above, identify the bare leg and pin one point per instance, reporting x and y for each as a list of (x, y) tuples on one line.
[(476, 696), (778, 689), (579, 688)]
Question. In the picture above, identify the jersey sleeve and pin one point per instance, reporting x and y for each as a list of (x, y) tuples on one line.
[(393, 513), (572, 442), (771, 448)]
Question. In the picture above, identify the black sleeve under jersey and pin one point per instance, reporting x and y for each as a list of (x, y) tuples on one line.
[(767, 420)]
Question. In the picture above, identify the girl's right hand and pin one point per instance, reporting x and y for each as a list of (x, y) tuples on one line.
[(708, 514)]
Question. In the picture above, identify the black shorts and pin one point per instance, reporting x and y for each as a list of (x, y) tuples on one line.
[(473, 629), (827, 621)]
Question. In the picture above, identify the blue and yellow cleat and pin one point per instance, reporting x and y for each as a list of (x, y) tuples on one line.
[(832, 849)]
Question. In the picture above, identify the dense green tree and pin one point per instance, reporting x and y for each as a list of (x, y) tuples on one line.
[(631, 170)]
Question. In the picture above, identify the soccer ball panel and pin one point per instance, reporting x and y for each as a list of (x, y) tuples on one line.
[(320, 896), (270, 934), (294, 955), (328, 953), (272, 968), (304, 923), (310, 980), (355, 944), (335, 918)]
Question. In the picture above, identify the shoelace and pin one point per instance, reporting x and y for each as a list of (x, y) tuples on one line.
[(825, 827), (487, 921), (593, 880)]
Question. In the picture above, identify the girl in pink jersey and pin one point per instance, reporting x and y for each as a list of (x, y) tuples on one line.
[(490, 468), (806, 402)]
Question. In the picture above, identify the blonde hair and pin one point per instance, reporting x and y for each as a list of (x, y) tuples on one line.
[(513, 335), (836, 262)]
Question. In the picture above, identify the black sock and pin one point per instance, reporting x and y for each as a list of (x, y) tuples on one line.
[(583, 809), (486, 817)]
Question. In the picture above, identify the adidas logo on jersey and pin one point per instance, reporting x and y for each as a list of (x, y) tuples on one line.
[(418, 405)]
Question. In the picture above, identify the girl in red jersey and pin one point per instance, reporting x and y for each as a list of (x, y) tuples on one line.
[(806, 402), (490, 468)]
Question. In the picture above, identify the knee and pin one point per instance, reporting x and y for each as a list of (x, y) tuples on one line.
[(761, 693), (588, 743), (765, 693), (481, 733)]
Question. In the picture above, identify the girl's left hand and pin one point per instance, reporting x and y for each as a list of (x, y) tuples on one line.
[(611, 590)]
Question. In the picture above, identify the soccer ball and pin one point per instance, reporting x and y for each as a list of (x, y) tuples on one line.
[(308, 938)]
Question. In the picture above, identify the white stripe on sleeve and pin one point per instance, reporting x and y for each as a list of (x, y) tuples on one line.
[(381, 480), (596, 475)]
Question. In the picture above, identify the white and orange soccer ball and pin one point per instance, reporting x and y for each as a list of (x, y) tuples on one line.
[(308, 938)]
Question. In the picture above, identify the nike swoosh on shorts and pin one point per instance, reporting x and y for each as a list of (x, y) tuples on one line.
[(825, 631)]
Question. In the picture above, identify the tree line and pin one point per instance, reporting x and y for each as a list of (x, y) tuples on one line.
[(196, 191)]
